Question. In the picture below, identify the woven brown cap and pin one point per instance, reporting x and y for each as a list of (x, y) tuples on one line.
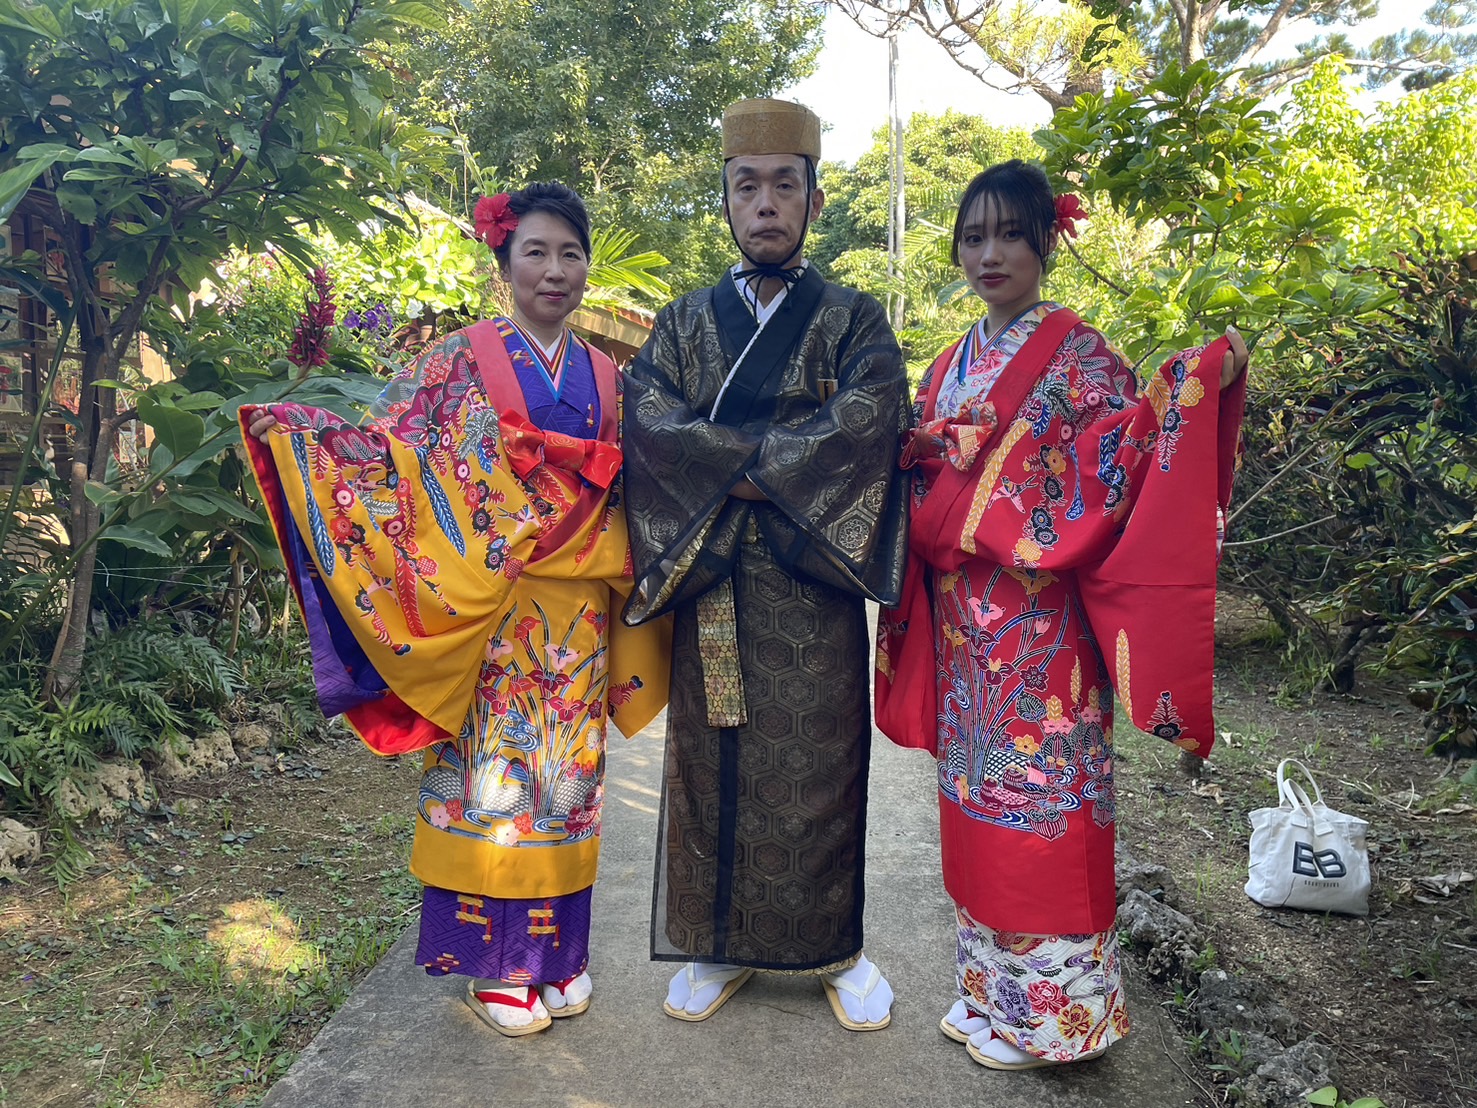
[(770, 127)]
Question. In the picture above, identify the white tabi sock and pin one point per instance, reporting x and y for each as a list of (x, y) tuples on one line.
[(871, 1008), (711, 977)]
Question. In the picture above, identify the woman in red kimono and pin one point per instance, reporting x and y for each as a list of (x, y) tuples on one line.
[(1065, 533)]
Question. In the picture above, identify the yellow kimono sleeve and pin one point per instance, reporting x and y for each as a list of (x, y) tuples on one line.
[(415, 549)]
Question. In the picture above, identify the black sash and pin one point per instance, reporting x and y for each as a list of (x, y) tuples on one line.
[(758, 378)]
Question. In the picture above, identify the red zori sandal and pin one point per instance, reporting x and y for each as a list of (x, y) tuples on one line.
[(569, 997), (507, 1012)]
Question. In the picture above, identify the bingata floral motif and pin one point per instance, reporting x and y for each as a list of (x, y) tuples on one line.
[(527, 768), (1054, 996), (1009, 753)]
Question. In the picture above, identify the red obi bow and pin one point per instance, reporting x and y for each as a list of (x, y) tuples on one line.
[(957, 439), (528, 447)]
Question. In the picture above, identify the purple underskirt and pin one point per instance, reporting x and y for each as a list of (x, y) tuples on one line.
[(527, 941), (343, 675)]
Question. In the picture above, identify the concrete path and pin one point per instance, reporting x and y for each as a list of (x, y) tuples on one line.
[(404, 1038)]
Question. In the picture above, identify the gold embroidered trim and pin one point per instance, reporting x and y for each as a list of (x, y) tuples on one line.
[(986, 484), (835, 967), (717, 645)]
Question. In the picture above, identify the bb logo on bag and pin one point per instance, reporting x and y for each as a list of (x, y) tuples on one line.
[(1325, 863)]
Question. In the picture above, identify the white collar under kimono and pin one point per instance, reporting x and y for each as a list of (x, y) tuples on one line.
[(762, 315), (749, 292)]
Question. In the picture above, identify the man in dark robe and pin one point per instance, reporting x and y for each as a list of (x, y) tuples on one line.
[(761, 429)]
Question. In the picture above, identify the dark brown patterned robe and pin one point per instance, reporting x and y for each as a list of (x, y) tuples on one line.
[(760, 852)]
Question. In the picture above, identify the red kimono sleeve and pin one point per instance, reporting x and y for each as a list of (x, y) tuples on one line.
[(1128, 501)]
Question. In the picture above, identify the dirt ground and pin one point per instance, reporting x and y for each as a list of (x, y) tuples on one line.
[(1395, 993), (219, 927), (213, 935)]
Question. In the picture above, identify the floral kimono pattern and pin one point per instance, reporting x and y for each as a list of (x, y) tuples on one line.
[(457, 565), (1054, 996), (1091, 519), (1088, 515)]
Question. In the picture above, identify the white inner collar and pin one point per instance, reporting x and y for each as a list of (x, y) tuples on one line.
[(748, 289)]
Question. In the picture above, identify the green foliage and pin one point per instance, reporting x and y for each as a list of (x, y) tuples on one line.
[(189, 673), (1230, 1049), (172, 527), (157, 683), (433, 274), (420, 271), (1262, 221), (1328, 1097), (617, 277), (941, 154), (618, 100), (257, 298), (1079, 47), (1425, 55), (42, 748), (1181, 155), (162, 135), (188, 129), (1357, 484), (144, 687), (1408, 436)]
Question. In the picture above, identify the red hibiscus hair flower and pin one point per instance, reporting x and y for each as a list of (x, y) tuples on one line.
[(494, 219), (1069, 210)]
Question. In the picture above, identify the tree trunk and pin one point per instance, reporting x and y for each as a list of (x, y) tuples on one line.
[(90, 457), (236, 601), (1195, 25), (71, 641), (1344, 667)]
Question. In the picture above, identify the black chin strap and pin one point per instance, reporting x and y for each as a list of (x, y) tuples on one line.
[(764, 272)]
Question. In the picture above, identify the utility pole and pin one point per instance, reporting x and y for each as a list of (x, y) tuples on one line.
[(896, 209)]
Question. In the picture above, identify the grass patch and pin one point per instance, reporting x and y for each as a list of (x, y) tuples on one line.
[(198, 954)]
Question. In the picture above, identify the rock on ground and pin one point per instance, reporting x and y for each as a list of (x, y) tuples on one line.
[(108, 783), (1146, 877), (210, 754), (1170, 941), (1243, 1010), (1286, 1080), (251, 737), (1233, 1003), (19, 846)]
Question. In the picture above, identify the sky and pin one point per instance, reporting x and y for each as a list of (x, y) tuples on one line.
[(849, 88)]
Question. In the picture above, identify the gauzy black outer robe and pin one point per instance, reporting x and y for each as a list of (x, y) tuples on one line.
[(760, 855)]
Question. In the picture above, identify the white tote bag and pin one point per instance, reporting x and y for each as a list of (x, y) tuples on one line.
[(1306, 855)]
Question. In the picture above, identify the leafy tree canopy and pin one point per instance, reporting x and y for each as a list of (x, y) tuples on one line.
[(940, 154), (619, 100), (1082, 46), (160, 134)]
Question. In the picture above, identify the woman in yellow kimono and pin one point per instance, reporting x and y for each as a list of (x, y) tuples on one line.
[(457, 561)]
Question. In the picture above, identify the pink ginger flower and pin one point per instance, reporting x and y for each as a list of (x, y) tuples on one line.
[(310, 340)]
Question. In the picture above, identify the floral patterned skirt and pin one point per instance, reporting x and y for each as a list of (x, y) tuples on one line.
[(1054, 996)]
